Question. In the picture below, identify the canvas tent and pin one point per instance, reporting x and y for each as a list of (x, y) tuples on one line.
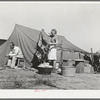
[(26, 38), (2, 41), (70, 51)]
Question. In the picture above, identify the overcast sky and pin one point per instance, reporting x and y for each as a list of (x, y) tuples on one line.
[(79, 22)]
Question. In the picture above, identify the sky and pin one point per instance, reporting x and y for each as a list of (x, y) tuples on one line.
[(79, 22)]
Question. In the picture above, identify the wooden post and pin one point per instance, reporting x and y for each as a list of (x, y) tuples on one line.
[(61, 57), (54, 64), (92, 58), (79, 55)]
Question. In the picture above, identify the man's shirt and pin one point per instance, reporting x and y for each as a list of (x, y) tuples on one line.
[(15, 52)]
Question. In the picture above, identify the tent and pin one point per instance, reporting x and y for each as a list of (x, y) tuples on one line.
[(2, 41), (26, 38)]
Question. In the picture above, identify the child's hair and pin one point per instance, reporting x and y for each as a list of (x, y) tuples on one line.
[(55, 31)]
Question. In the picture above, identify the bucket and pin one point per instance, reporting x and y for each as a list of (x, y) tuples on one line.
[(68, 71)]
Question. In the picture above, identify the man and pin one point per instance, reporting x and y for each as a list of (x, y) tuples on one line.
[(12, 56), (96, 62), (86, 57)]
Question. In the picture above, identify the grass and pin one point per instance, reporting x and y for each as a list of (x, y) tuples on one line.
[(26, 79), (41, 81), (46, 81), (13, 83), (20, 79)]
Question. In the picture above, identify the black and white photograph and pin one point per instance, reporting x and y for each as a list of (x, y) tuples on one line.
[(49, 45)]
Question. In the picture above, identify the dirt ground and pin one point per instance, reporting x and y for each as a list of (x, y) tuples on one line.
[(28, 79)]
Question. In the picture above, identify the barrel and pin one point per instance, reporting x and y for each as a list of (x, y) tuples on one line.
[(68, 71)]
